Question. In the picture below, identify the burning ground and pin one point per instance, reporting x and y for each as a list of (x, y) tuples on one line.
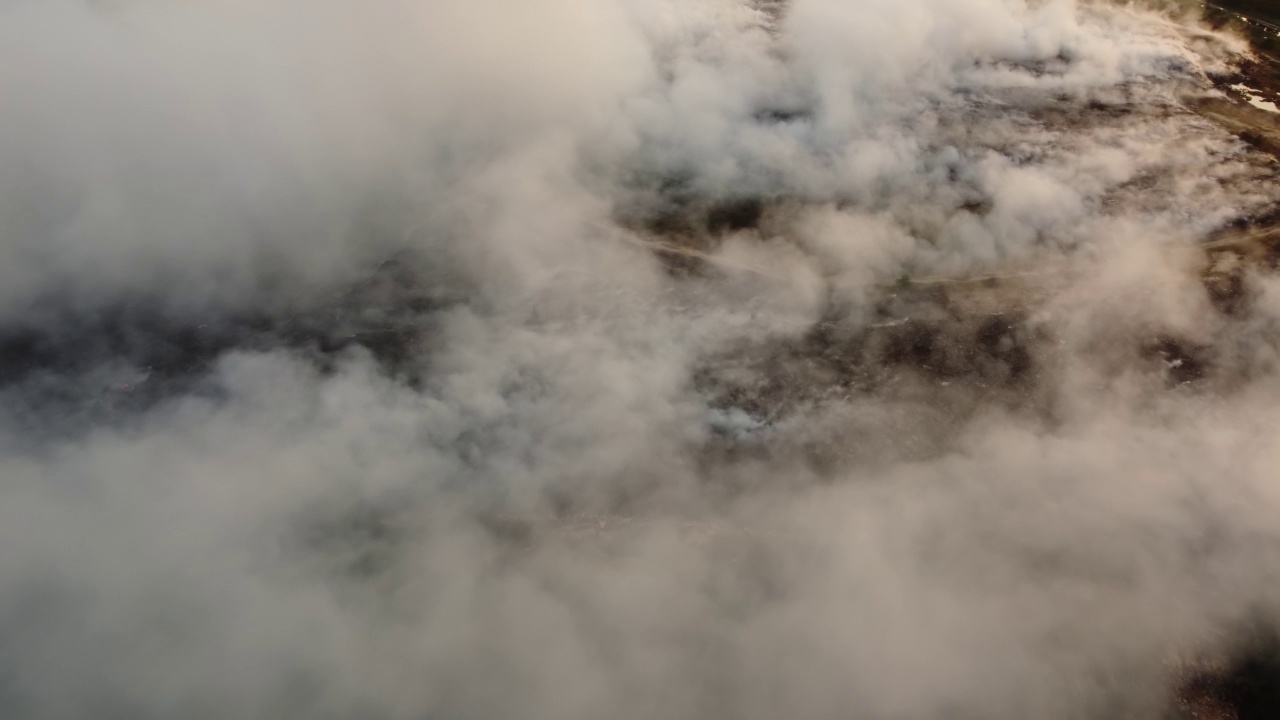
[(397, 359)]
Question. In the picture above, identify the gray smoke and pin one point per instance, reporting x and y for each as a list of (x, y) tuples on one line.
[(488, 359)]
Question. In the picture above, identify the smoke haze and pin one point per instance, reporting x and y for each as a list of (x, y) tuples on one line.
[(442, 359)]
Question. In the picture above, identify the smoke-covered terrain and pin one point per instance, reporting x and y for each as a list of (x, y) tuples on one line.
[(680, 359)]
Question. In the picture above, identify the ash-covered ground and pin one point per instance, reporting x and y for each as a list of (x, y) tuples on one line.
[(703, 359)]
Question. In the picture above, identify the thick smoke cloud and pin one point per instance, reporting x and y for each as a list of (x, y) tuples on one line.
[(404, 359)]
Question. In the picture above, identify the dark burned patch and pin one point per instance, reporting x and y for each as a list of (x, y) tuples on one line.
[(1056, 65), (682, 265), (1254, 126), (1068, 112), (734, 215), (1181, 362), (1002, 349), (994, 350), (773, 10), (771, 381), (1109, 109), (981, 207), (69, 342), (1260, 140), (782, 116), (1227, 291), (55, 364), (1224, 281), (1245, 687), (697, 222), (672, 207), (669, 219), (1142, 183), (920, 345), (1246, 243), (836, 360), (1267, 219)]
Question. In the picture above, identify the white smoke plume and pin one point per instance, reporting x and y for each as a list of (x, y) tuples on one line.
[(605, 358)]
